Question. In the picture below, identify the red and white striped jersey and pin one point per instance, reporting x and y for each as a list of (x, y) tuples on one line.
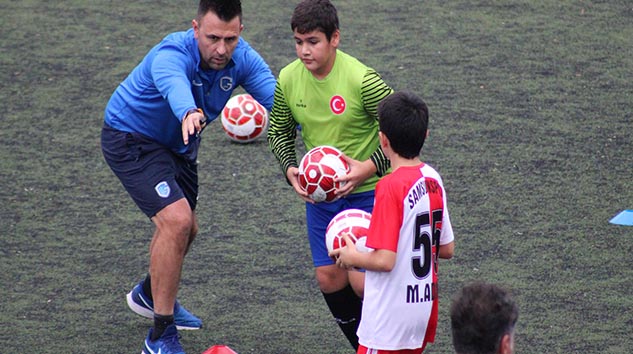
[(410, 217)]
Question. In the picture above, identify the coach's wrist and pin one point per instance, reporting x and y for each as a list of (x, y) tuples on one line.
[(193, 110)]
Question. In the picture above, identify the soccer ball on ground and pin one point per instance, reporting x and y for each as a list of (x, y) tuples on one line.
[(243, 118), (353, 221), (317, 171)]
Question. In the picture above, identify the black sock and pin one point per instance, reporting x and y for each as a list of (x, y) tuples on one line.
[(160, 323), (346, 307), (147, 288)]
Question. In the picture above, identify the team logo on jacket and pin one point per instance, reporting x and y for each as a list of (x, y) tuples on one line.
[(162, 189), (337, 104), (226, 83)]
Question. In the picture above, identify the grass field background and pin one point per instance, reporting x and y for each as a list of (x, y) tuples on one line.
[(531, 129)]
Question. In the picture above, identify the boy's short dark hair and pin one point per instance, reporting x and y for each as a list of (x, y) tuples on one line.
[(226, 10), (403, 118), (481, 314), (312, 15)]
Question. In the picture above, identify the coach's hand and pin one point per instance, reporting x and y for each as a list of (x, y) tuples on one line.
[(193, 123)]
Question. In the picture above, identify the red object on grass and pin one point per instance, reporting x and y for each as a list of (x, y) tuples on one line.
[(219, 349)]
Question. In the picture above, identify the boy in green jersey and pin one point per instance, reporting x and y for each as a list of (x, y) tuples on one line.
[(333, 97)]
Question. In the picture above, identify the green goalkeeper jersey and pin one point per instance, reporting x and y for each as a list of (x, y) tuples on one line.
[(338, 111)]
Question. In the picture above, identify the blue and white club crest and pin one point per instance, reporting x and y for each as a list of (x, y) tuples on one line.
[(163, 190), (226, 83)]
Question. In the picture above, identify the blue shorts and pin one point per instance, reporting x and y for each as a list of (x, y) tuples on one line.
[(319, 215), (152, 174)]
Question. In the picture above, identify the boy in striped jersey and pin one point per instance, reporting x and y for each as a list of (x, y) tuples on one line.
[(409, 230), (333, 98)]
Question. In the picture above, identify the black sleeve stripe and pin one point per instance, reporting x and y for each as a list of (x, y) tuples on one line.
[(381, 161), (282, 132), (373, 90)]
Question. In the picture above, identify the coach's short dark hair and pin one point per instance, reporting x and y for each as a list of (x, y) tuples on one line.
[(481, 314), (403, 118), (312, 15), (226, 10)]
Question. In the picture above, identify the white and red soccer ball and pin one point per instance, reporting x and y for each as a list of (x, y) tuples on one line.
[(353, 221), (243, 118), (318, 169)]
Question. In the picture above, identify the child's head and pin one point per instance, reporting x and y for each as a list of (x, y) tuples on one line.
[(315, 15), (403, 118)]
